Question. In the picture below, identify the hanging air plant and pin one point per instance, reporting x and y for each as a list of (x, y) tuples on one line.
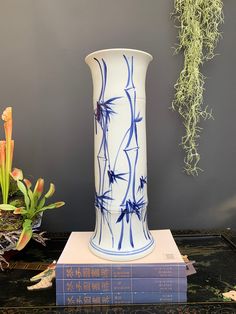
[(198, 22)]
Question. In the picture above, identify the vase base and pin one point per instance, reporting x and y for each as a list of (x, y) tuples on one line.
[(121, 256)]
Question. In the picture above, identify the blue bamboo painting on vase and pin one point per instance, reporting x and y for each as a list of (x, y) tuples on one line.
[(120, 162), (103, 113), (131, 204)]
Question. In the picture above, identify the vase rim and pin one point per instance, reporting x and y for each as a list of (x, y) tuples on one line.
[(118, 49)]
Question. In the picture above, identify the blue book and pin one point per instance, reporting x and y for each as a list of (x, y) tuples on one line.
[(121, 285), (82, 271), (77, 262), (119, 298)]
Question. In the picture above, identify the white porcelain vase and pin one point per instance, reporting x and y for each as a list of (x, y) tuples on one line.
[(121, 231)]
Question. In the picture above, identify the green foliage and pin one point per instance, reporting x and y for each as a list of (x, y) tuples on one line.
[(33, 205), (198, 22)]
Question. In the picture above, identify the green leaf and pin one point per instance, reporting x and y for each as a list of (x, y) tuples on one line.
[(26, 234), (23, 189), (7, 207), (51, 191), (41, 203), (59, 204), (31, 197), (52, 206), (17, 202)]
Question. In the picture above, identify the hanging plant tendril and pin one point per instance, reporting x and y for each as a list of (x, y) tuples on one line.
[(198, 22)]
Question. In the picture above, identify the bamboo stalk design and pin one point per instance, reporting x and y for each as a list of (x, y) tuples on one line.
[(103, 115), (130, 204), (133, 201)]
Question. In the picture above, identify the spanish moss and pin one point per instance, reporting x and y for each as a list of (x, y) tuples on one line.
[(198, 22)]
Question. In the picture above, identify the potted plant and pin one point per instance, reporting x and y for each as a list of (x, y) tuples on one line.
[(21, 205)]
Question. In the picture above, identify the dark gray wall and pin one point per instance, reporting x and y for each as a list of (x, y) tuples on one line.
[(44, 77)]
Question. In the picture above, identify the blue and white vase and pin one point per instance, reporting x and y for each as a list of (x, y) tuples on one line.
[(121, 231)]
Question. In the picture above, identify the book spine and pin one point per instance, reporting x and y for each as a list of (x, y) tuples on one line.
[(119, 297), (120, 271), (122, 285)]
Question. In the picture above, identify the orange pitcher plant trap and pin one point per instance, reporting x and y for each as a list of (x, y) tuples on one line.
[(22, 205)]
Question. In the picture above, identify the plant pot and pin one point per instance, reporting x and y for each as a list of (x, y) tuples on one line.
[(121, 231)]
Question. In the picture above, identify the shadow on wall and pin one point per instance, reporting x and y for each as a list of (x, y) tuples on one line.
[(224, 214)]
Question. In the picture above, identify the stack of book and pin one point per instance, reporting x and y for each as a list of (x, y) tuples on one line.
[(83, 278)]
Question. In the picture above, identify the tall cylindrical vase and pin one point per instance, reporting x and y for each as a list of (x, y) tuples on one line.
[(121, 231)]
